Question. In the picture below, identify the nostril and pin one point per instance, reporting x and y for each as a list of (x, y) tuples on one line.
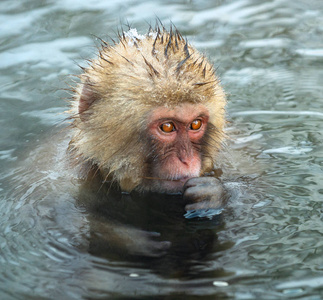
[(184, 160)]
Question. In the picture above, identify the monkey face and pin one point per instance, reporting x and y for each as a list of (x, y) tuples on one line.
[(175, 136)]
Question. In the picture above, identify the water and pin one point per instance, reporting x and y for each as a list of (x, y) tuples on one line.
[(267, 244)]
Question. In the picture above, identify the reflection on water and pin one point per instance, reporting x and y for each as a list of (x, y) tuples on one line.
[(267, 243)]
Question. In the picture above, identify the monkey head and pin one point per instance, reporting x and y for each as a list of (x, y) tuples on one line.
[(149, 112)]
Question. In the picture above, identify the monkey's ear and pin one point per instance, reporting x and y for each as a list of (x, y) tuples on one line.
[(87, 97)]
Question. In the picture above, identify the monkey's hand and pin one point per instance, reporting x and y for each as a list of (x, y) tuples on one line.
[(144, 244), (140, 242), (202, 193)]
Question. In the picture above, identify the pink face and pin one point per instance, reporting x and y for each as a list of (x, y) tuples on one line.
[(176, 136)]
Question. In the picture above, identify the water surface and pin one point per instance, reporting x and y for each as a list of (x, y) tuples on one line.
[(267, 244)]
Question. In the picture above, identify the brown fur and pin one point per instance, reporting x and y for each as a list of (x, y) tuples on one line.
[(120, 89)]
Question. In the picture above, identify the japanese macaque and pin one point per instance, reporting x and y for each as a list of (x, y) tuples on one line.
[(149, 115)]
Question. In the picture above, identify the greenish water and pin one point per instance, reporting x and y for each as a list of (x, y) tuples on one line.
[(267, 244)]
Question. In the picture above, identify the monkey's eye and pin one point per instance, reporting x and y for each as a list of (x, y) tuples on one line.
[(196, 124), (167, 127)]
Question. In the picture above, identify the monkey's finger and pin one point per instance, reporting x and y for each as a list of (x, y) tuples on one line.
[(204, 192), (204, 205), (152, 234), (201, 181), (157, 249)]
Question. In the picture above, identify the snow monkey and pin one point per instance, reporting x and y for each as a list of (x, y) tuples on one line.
[(149, 115)]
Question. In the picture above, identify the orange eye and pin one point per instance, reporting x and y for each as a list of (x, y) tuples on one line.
[(167, 127), (196, 124)]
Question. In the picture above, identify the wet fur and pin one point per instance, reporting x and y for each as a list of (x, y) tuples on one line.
[(120, 89)]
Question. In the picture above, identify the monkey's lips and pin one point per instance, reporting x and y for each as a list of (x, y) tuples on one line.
[(182, 179)]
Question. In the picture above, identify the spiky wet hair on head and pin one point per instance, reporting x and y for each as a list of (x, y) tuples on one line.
[(120, 88)]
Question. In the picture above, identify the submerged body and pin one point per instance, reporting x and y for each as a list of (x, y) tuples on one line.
[(149, 115)]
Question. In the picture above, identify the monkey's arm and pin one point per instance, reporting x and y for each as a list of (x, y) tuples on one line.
[(203, 193)]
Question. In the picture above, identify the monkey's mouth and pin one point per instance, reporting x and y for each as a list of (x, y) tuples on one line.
[(173, 185), (182, 179), (179, 179)]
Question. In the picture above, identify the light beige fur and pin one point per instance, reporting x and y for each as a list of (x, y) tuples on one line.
[(128, 80)]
